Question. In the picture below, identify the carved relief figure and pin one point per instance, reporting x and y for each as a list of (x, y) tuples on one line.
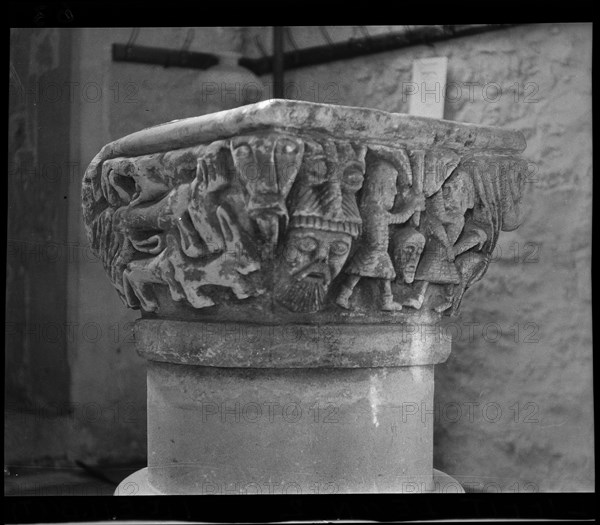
[(498, 187), (442, 225), (197, 241), (150, 197), (206, 215), (471, 266), (324, 221), (372, 259), (313, 258), (408, 246), (267, 167), (185, 278)]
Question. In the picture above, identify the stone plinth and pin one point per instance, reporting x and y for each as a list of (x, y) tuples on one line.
[(291, 262), (249, 408)]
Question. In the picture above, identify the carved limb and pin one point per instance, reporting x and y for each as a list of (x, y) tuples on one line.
[(233, 243), (388, 303), (416, 301), (418, 159), (136, 218), (446, 301), (343, 298), (469, 239), (472, 267), (415, 205), (136, 287)]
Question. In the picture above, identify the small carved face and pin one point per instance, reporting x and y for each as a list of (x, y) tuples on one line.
[(409, 258), (458, 194), (267, 165), (311, 259), (326, 186), (352, 178), (267, 168), (407, 253)]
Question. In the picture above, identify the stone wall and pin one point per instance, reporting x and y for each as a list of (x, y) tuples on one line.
[(101, 414), (37, 368), (513, 408)]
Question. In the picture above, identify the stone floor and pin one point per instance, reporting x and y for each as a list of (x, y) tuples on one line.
[(78, 480)]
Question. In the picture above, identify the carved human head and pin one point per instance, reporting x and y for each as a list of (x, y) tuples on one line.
[(266, 168), (324, 194), (310, 260), (458, 193), (408, 247)]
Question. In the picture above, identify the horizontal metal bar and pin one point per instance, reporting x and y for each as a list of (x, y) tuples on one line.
[(163, 57), (312, 56)]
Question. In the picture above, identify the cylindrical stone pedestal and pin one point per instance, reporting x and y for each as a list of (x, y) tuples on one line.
[(217, 430), (268, 410)]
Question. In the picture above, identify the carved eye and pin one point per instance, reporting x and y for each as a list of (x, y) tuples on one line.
[(243, 151), (291, 254), (306, 244), (246, 163), (316, 171), (288, 147), (339, 248)]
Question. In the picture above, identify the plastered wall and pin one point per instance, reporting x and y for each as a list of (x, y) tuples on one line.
[(99, 415)]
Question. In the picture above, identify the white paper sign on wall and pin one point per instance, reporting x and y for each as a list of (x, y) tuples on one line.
[(427, 90)]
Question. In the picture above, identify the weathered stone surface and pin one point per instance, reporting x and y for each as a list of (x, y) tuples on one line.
[(220, 430), (283, 208), (352, 229), (245, 345)]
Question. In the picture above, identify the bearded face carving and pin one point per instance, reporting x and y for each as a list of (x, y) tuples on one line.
[(311, 260)]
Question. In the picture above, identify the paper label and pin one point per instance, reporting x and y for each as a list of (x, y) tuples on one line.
[(427, 90)]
